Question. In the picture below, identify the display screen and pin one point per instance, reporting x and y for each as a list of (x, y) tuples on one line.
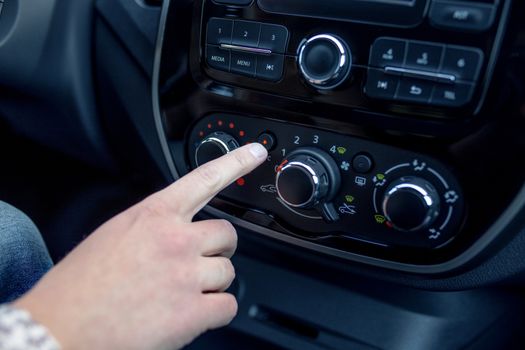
[(404, 13), (400, 2)]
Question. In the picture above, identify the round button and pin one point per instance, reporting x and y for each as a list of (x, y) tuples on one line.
[(324, 60), (267, 140), (411, 204), (214, 146), (362, 164)]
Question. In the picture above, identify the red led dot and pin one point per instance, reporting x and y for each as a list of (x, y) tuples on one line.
[(231, 125), (265, 142), (201, 133), (219, 123), (209, 126), (389, 224), (241, 133), (241, 182)]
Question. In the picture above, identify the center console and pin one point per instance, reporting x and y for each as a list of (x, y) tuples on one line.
[(373, 113), (373, 55)]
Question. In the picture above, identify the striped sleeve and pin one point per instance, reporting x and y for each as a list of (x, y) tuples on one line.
[(18, 331)]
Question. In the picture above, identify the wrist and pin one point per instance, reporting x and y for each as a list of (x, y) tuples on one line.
[(21, 331), (44, 315)]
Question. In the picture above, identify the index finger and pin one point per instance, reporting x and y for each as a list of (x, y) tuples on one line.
[(193, 191)]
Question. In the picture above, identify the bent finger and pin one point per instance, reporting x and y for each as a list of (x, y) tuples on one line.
[(216, 274), (215, 237), (220, 309)]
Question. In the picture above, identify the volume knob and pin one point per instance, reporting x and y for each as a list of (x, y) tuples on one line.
[(214, 146), (324, 60), (411, 204)]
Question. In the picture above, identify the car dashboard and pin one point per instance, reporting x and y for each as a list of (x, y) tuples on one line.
[(373, 115), (390, 212)]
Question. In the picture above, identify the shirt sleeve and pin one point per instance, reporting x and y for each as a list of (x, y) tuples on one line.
[(18, 331)]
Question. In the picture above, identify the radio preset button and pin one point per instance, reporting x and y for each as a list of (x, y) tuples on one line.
[(424, 56), (273, 37), (270, 67), (387, 52), (380, 85), (456, 95), (218, 58), (462, 62), (475, 17), (246, 33), (219, 31), (414, 90), (243, 63)]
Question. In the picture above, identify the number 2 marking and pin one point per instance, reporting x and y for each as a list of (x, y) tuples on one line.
[(297, 140)]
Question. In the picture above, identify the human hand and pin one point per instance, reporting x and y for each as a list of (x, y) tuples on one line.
[(149, 278)]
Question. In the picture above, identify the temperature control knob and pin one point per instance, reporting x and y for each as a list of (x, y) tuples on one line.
[(411, 204), (214, 146), (307, 177), (324, 60)]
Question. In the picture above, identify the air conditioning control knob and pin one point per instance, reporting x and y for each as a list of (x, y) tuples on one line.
[(214, 146), (307, 177), (411, 204), (324, 60)]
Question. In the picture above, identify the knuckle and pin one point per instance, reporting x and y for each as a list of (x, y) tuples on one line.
[(224, 228), (230, 307), (228, 228), (209, 174), (179, 243), (228, 270)]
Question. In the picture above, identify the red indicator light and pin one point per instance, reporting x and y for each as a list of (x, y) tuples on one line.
[(231, 125), (241, 182), (389, 224), (209, 126), (201, 133), (242, 133), (265, 142), (219, 123)]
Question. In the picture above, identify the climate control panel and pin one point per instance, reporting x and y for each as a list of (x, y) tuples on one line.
[(321, 186)]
